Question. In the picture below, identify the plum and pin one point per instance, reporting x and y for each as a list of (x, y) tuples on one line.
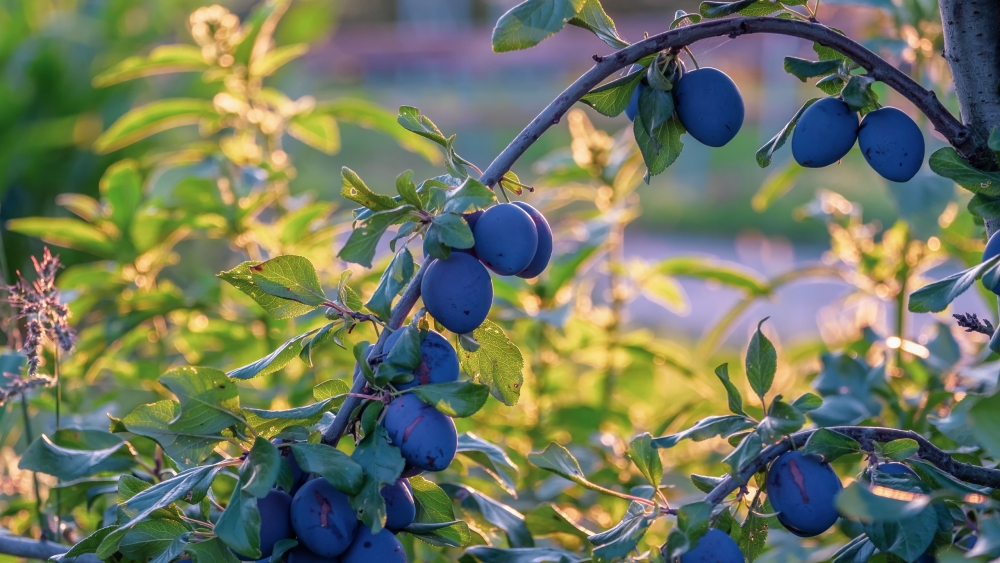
[(506, 239), (438, 360), (426, 438), (714, 547), (825, 133), (400, 510), (471, 219), (892, 144), (709, 105), (367, 547), (275, 522), (992, 249), (299, 477), (410, 470), (544, 250), (301, 554), (323, 518), (458, 292), (632, 109), (802, 489)]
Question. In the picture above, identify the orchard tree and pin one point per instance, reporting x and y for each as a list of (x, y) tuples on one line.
[(297, 491)]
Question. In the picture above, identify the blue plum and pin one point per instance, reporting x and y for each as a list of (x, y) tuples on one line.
[(410, 470), (367, 547), (892, 144), (714, 547), (632, 109), (506, 239), (438, 360), (544, 251), (458, 292), (709, 105), (426, 438), (471, 219), (825, 133), (323, 518), (992, 250), (400, 510), (299, 477), (802, 489), (275, 520), (301, 554)]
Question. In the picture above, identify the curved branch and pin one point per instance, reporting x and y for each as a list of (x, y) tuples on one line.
[(864, 435), (36, 549), (877, 67), (399, 313)]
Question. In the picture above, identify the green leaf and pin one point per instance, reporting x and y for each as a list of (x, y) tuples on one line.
[(164, 59), (705, 483), (559, 460), (412, 120), (994, 141), (173, 550), (984, 419), (531, 22), (65, 463), (275, 360), (455, 399), (858, 93), (935, 297), (149, 538), (86, 545), (289, 277), (452, 230), (164, 493), (735, 398), (657, 131), (709, 427), (683, 18), (153, 118), (210, 402), (857, 501), (497, 363), (592, 17), (211, 551), (901, 449), (623, 538), (434, 506), (270, 423), (357, 191), (725, 273), (392, 283), (748, 450), (804, 69), (65, 232), (830, 445), (753, 531), (692, 523), (777, 184), (316, 130), (646, 458), (371, 116), (495, 512), (382, 464), (330, 463), (277, 58), (765, 152), (522, 555), (471, 196), (363, 241), (121, 188), (831, 85), (241, 278), (491, 458), (407, 190), (782, 419), (713, 10), (761, 362), (259, 471), (987, 207), (612, 98), (550, 519), (948, 163)]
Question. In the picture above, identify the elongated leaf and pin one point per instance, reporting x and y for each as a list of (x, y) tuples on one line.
[(936, 297), (361, 245), (239, 525), (316, 130), (726, 273), (646, 458), (456, 399), (273, 361), (782, 420), (612, 98), (710, 427), (712, 10), (277, 58), (804, 69), (491, 458), (735, 398), (948, 163), (765, 152), (622, 539), (66, 463), (761, 362), (241, 278), (382, 465), (371, 116), (434, 507), (153, 118), (164, 59), (531, 22), (471, 196), (330, 463), (777, 184), (522, 555), (899, 450), (550, 519), (412, 120), (65, 232), (393, 281), (289, 277), (147, 539), (830, 445), (592, 17), (260, 470), (747, 450), (495, 512)]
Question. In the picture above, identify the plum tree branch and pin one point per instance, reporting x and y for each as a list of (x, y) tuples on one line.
[(878, 68), (396, 318), (865, 436), (35, 549)]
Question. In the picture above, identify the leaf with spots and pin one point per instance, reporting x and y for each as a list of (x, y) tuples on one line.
[(497, 363), (279, 308), (753, 532), (289, 277)]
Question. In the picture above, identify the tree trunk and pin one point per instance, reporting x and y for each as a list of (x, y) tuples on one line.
[(972, 49)]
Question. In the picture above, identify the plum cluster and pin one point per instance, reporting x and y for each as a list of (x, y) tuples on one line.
[(322, 520), (890, 141), (512, 239), (707, 103)]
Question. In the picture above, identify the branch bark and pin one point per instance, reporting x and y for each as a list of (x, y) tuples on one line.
[(925, 100), (972, 49), (35, 549), (864, 435)]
